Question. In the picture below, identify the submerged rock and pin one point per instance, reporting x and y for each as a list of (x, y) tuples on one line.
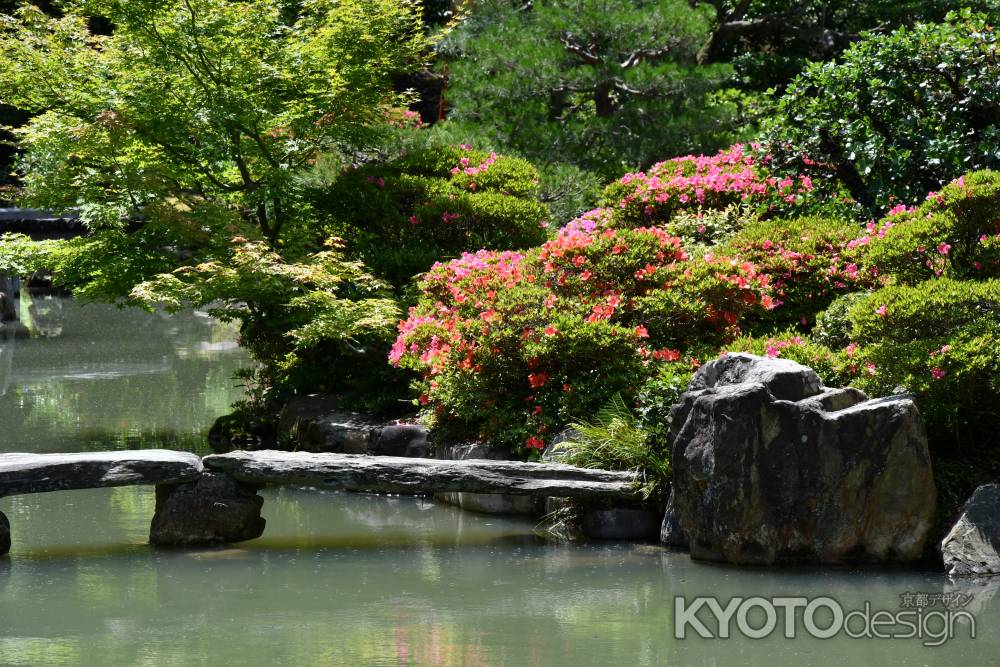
[(212, 510), (772, 467), (971, 546), (487, 503), (4, 534)]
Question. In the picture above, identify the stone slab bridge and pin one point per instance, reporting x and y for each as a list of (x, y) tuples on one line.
[(214, 500)]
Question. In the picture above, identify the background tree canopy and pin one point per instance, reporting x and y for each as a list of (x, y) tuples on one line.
[(603, 84)]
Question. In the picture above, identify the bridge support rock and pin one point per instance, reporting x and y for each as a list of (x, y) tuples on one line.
[(4, 534), (214, 509)]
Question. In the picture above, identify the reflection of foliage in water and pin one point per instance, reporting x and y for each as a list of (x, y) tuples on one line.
[(114, 378)]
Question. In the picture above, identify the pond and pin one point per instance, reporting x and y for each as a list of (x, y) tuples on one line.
[(342, 579)]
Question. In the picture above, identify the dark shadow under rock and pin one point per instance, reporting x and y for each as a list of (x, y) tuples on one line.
[(4, 534)]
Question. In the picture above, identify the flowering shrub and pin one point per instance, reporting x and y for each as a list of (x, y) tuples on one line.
[(806, 260), (513, 345), (954, 233), (402, 216), (694, 182)]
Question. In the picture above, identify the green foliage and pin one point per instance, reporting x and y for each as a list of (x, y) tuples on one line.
[(202, 100), (291, 313), (614, 440), (568, 190), (939, 340), (770, 41), (601, 84), (955, 233), (899, 115), (403, 215)]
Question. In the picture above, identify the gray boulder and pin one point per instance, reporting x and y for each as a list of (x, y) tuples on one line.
[(409, 440), (4, 534), (212, 510), (972, 545), (317, 424), (552, 451), (772, 467)]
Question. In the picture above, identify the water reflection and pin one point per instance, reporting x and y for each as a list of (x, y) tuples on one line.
[(77, 377)]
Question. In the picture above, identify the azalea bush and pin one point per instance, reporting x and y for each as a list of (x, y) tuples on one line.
[(403, 215), (807, 261), (513, 345)]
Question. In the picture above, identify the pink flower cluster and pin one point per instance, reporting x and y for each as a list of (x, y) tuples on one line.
[(464, 168), (732, 175)]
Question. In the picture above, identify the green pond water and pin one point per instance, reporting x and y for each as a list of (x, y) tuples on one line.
[(343, 579)]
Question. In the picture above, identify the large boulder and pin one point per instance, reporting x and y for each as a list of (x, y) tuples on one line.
[(211, 510), (972, 545), (772, 467), (4, 534)]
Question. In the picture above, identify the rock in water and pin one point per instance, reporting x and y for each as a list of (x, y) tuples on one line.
[(4, 534), (772, 467), (972, 545), (671, 533), (214, 509)]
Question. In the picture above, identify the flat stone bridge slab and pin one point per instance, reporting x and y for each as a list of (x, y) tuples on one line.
[(392, 474), (40, 473), (214, 500)]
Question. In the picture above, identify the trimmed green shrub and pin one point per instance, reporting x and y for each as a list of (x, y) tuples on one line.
[(402, 216), (939, 340), (955, 233)]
